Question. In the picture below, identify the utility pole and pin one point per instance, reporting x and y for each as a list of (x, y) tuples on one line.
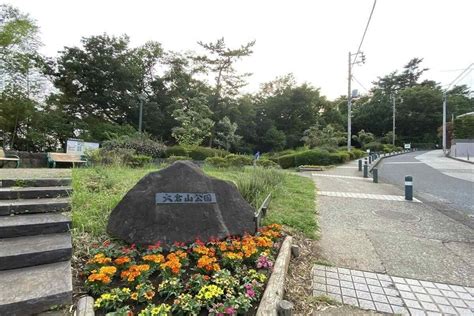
[(393, 120), (140, 120), (445, 101), (349, 94), (444, 122), (349, 104)]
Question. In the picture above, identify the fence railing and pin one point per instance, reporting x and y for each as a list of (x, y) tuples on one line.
[(262, 211)]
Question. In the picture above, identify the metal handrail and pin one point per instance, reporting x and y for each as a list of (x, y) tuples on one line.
[(262, 211)]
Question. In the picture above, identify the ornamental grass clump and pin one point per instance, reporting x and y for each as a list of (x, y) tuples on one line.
[(220, 277)]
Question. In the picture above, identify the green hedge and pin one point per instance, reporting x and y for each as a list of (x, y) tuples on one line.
[(464, 127), (374, 146), (320, 157), (198, 153)]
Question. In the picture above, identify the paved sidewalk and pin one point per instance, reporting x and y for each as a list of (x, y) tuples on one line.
[(367, 226), (389, 294)]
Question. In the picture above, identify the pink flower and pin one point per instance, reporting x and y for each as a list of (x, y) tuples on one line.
[(230, 311)]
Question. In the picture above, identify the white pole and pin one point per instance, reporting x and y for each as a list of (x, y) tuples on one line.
[(444, 122), (349, 105), (393, 121)]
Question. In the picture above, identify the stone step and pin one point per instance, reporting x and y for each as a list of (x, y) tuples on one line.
[(36, 289), (12, 193), (28, 251), (35, 182), (8, 207), (33, 224)]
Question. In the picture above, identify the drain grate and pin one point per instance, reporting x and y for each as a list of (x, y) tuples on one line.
[(399, 216)]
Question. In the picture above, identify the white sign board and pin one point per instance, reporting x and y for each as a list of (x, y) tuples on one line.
[(407, 146), (79, 147)]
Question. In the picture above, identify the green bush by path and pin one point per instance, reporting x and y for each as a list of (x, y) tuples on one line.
[(318, 157), (97, 190), (197, 153)]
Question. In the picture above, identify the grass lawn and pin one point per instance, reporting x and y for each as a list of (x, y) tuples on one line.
[(97, 191)]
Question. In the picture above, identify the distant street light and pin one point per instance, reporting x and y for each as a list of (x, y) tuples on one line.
[(141, 97)]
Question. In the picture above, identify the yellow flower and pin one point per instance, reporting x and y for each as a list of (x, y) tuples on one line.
[(126, 290), (109, 270), (134, 296)]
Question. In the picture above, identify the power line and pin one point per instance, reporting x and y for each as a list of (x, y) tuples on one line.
[(360, 84), (365, 32)]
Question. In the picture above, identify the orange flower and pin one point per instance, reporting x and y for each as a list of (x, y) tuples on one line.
[(121, 260), (181, 254), (134, 271), (109, 270), (263, 242), (100, 258), (154, 258), (149, 295), (101, 277), (203, 250), (208, 263), (222, 246), (172, 263)]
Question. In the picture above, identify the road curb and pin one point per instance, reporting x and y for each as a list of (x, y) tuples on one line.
[(458, 159), (383, 157)]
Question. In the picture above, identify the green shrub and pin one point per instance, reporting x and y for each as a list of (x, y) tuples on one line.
[(201, 153), (464, 127), (388, 148), (374, 146), (286, 161), (238, 160), (313, 157), (140, 143), (256, 183), (139, 161), (217, 162), (119, 157), (197, 153), (267, 163), (358, 153), (176, 158), (175, 151), (339, 157)]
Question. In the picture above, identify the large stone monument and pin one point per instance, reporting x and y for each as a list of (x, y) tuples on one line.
[(180, 203)]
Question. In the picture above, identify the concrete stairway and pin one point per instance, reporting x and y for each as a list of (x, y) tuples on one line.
[(35, 245)]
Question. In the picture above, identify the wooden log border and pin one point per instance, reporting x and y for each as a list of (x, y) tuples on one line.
[(276, 284)]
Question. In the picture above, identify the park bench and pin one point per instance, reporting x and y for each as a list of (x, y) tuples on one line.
[(5, 159), (54, 158)]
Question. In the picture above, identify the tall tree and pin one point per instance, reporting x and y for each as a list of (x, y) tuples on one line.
[(219, 61), (103, 79)]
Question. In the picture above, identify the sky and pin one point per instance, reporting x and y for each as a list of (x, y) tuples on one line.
[(309, 38)]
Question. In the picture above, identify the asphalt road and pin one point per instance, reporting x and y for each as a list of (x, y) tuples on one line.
[(442, 181)]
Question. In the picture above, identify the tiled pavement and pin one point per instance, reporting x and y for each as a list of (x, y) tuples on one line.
[(370, 196), (389, 294)]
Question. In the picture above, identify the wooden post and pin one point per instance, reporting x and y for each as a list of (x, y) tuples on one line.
[(285, 308)]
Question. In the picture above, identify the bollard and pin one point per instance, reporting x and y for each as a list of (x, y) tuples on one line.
[(375, 175), (408, 188), (360, 164), (370, 159), (366, 171)]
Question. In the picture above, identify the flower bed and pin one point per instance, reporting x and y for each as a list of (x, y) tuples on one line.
[(216, 278)]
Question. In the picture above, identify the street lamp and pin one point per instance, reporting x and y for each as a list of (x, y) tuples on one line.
[(141, 98)]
